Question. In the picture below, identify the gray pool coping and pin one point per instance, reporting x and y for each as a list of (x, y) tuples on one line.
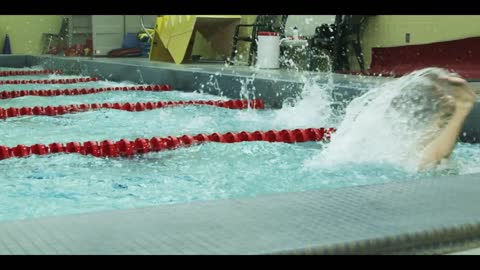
[(428, 216)]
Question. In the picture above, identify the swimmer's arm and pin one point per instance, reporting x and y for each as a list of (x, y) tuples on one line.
[(442, 146), (437, 124)]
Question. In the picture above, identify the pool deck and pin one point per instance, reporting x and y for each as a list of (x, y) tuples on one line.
[(428, 216), (438, 215)]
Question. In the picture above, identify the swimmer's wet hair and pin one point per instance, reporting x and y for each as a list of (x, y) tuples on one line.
[(423, 95)]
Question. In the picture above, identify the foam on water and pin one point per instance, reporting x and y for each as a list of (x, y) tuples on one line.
[(313, 107), (386, 124)]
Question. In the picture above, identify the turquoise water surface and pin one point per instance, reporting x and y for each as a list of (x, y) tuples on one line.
[(62, 184)]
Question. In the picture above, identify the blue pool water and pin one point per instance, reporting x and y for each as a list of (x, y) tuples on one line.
[(68, 183)]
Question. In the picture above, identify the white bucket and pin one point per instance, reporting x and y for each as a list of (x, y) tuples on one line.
[(268, 51)]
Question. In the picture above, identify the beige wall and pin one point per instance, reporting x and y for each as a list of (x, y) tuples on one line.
[(380, 31), (25, 31), (390, 30)]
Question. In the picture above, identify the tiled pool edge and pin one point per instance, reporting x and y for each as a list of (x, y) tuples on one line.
[(428, 216)]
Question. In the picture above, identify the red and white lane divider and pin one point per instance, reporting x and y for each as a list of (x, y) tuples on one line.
[(28, 72), (81, 91), (54, 81), (131, 107), (125, 147)]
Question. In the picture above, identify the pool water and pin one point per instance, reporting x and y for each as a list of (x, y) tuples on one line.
[(63, 184)]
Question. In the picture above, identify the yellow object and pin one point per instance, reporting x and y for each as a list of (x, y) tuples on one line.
[(144, 36), (177, 37)]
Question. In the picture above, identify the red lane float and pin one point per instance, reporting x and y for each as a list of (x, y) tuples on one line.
[(131, 107), (81, 91), (54, 81), (125, 147), (28, 72)]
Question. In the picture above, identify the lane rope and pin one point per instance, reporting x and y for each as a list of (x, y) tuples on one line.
[(28, 72), (237, 104), (52, 81), (81, 91), (125, 147)]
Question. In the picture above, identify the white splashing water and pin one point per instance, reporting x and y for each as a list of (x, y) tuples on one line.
[(313, 108), (385, 125)]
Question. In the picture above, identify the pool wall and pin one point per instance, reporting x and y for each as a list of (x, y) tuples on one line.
[(274, 86), (16, 61)]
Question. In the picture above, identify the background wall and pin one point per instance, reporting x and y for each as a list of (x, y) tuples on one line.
[(25, 31), (306, 24), (390, 30), (133, 25), (108, 31)]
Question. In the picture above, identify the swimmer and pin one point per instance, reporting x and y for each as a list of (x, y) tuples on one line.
[(413, 121), (436, 103), (456, 105)]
